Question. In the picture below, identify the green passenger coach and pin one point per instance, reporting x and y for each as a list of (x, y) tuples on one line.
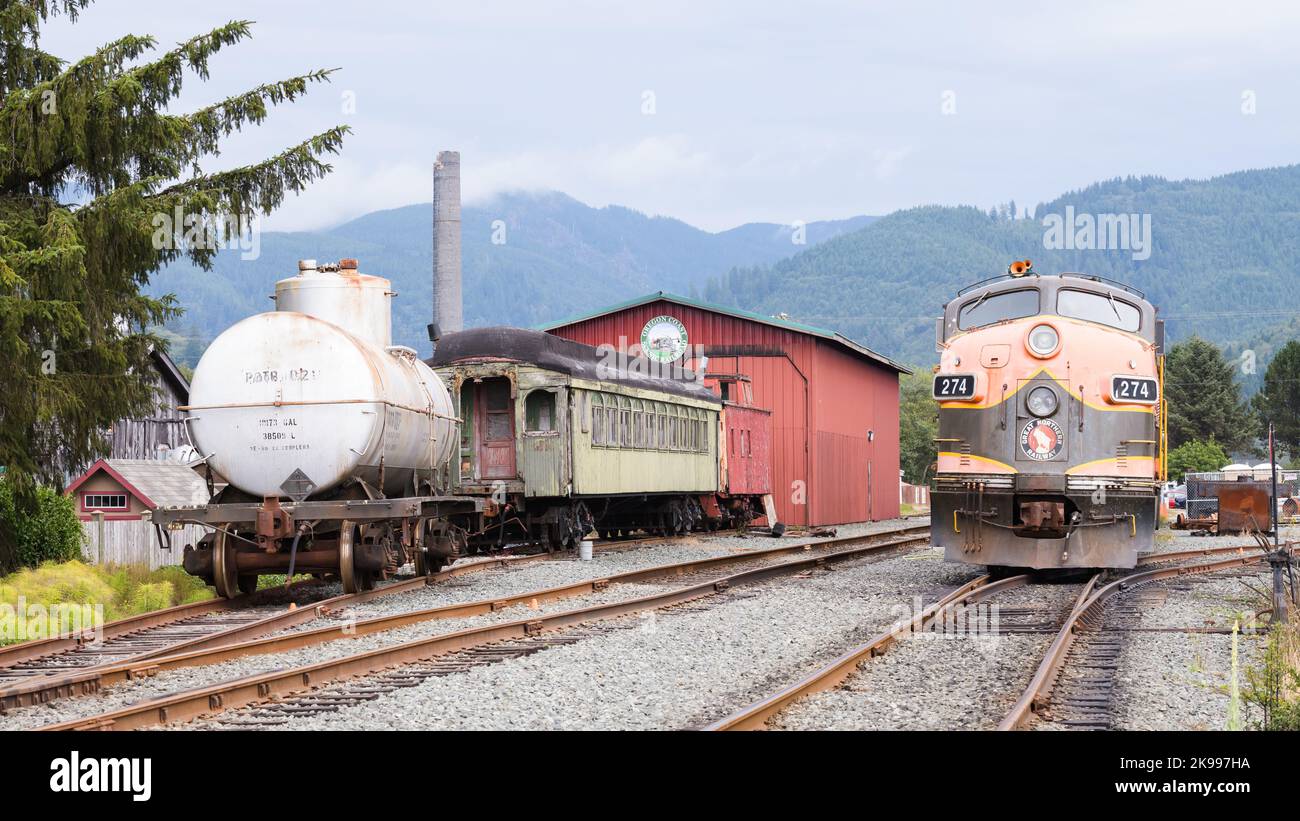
[(562, 439)]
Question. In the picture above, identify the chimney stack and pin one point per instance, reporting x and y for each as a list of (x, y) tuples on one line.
[(447, 307)]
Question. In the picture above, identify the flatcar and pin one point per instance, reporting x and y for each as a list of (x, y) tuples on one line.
[(561, 438), (1050, 405)]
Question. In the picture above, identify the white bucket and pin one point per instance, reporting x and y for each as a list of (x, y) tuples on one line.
[(584, 550)]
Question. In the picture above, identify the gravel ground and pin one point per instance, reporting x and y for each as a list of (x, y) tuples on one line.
[(1168, 541), (1180, 681), (487, 584), (938, 681), (510, 581), (679, 668), (685, 666)]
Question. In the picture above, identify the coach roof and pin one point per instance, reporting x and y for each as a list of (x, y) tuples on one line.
[(554, 353)]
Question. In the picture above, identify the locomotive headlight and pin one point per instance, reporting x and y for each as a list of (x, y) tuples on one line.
[(1042, 401), (1043, 340)]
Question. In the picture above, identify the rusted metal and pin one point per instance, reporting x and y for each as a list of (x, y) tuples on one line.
[(213, 651), (192, 704), (756, 715), (273, 524), (1037, 694), (29, 650), (40, 688), (1243, 507), (1043, 515)]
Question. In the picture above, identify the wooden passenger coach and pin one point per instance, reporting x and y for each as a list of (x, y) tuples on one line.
[(562, 438)]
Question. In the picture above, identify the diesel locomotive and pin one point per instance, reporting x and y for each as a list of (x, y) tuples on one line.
[(1051, 429)]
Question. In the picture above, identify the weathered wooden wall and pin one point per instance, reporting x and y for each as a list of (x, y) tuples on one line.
[(161, 429), (133, 541)]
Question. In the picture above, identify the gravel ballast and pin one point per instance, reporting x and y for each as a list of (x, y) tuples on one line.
[(678, 668), (686, 666), (939, 680), (484, 585)]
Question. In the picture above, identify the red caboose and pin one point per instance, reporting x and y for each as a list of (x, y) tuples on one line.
[(745, 450)]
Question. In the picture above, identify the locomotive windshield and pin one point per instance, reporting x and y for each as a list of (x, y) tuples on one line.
[(991, 308), (1100, 308)]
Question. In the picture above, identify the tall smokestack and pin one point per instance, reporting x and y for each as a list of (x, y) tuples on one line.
[(447, 308)]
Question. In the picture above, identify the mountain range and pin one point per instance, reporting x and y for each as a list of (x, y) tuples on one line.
[(1219, 257), (527, 258)]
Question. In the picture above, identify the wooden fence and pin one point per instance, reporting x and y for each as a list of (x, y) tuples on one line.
[(913, 494), (135, 542)]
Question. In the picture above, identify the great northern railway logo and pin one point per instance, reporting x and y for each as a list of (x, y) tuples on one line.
[(1041, 439)]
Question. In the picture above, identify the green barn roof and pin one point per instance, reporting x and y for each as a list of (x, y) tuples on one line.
[(798, 327)]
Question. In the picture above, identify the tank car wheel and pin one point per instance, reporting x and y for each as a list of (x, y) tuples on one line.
[(225, 577), (354, 580), (425, 564)]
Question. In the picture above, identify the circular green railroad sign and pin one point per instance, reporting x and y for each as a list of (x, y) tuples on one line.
[(663, 339)]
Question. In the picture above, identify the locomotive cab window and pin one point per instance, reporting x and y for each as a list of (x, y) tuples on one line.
[(993, 308), (1100, 308), (539, 412)]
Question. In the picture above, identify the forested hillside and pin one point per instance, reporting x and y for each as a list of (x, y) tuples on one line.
[(1223, 263), (527, 258)]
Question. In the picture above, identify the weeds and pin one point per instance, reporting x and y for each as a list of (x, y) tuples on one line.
[(1273, 685), (106, 592)]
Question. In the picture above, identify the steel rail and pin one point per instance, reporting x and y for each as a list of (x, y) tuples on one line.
[(39, 648), (202, 652), (1036, 694), (260, 687), (756, 715), (43, 648)]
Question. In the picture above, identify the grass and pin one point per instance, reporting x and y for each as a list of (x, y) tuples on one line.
[(277, 580), (58, 596), (1273, 685), (912, 510)]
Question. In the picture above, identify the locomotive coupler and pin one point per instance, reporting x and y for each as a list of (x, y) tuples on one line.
[(273, 524)]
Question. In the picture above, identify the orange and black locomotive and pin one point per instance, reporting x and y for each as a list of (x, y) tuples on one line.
[(1050, 422)]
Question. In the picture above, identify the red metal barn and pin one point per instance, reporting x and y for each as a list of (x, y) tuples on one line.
[(834, 402)]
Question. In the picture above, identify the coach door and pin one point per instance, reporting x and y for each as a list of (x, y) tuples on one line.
[(494, 426)]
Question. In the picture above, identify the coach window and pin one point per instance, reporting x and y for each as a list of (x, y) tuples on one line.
[(597, 420), (539, 412), (993, 308), (625, 421), (1100, 308)]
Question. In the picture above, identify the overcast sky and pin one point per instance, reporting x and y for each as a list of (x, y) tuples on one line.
[(759, 110)]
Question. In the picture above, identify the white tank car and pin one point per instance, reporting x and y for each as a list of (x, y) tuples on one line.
[(317, 386)]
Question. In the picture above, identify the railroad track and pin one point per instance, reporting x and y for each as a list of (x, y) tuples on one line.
[(370, 674), (36, 671), (1088, 647), (952, 606)]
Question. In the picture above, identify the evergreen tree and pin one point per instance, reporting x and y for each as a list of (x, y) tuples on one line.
[(1279, 399), (1204, 400), (1195, 457), (95, 171), (918, 421)]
